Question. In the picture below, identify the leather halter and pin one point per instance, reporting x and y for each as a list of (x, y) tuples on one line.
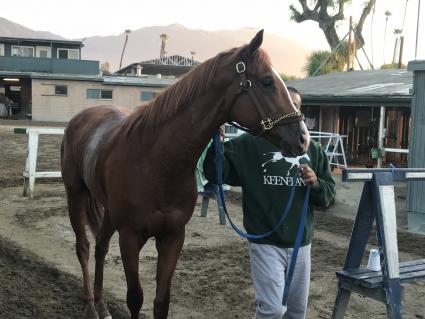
[(266, 123)]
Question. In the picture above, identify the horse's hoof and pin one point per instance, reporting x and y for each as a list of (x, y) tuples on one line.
[(90, 311), (102, 310)]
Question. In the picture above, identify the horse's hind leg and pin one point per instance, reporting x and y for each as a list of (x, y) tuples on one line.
[(76, 207), (130, 248), (102, 245), (169, 248)]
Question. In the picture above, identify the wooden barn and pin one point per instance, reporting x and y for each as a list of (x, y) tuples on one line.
[(351, 104), (46, 80)]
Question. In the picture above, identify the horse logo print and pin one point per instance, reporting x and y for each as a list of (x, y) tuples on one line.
[(277, 156)]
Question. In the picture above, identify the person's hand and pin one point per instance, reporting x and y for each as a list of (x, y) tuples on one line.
[(308, 175), (222, 133)]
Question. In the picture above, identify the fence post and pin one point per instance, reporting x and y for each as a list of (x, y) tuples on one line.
[(31, 163)]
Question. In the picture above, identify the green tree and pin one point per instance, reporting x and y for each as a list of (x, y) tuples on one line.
[(335, 61), (105, 68), (392, 66)]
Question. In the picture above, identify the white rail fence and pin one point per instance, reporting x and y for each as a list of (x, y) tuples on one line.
[(395, 150), (30, 173), (332, 143)]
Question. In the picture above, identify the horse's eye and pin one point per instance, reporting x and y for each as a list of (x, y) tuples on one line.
[(267, 82)]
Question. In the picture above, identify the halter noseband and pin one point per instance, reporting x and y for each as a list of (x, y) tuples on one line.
[(266, 122)]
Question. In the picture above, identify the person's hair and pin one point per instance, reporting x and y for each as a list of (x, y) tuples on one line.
[(294, 90)]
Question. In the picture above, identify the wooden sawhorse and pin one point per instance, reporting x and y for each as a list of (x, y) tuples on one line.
[(211, 192), (377, 203)]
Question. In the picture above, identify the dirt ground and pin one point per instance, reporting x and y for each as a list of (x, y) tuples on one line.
[(40, 275)]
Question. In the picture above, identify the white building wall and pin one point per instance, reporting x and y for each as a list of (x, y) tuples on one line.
[(46, 106)]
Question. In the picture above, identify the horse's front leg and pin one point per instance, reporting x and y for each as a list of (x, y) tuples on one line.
[(169, 248), (130, 247), (102, 245)]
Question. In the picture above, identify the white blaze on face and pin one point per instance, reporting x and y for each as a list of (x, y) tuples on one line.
[(284, 87)]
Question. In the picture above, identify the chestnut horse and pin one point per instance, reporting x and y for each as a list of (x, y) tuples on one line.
[(134, 172)]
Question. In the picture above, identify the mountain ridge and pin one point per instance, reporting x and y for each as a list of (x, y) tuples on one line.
[(11, 29), (287, 55)]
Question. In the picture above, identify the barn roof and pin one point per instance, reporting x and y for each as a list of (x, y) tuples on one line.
[(54, 39), (145, 80), (357, 88), (153, 69), (173, 60), (175, 65)]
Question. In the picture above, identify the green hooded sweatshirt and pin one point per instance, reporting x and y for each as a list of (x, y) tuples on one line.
[(265, 177)]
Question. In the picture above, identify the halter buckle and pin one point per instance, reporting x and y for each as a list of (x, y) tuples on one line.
[(267, 124), (240, 67), (247, 84)]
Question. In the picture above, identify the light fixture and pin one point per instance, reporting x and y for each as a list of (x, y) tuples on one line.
[(10, 79)]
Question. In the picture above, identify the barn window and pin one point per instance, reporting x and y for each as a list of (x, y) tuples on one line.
[(1, 49), (146, 96), (43, 52), (22, 51), (93, 94), (71, 54), (61, 90), (98, 94), (106, 94)]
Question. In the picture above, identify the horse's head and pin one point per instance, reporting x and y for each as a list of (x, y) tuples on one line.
[(261, 102)]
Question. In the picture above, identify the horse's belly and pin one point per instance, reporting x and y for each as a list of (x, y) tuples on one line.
[(150, 223)]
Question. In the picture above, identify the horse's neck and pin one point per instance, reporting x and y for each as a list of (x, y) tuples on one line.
[(201, 120), (180, 141), (207, 117)]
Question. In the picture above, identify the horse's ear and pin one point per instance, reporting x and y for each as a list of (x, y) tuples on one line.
[(256, 41)]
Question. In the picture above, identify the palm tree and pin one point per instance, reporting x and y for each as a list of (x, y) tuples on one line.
[(404, 16), (417, 28), (371, 30), (164, 38), (127, 32), (387, 15), (397, 33)]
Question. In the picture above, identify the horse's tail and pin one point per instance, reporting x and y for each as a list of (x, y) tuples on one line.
[(94, 214)]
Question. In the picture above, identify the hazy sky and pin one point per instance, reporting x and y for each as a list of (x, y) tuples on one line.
[(79, 19)]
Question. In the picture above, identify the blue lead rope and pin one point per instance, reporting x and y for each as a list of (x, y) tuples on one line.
[(219, 176), (219, 170), (296, 248)]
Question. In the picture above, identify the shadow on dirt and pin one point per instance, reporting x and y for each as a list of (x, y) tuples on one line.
[(31, 289)]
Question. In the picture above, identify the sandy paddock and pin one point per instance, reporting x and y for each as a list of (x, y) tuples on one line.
[(40, 276)]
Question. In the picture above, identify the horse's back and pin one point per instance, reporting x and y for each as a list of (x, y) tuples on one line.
[(86, 133), (90, 119)]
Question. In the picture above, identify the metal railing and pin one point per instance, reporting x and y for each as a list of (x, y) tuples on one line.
[(334, 147), (49, 65)]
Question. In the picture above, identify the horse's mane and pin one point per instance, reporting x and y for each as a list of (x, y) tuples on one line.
[(171, 100)]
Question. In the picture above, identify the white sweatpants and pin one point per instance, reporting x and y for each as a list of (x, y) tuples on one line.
[(269, 268)]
